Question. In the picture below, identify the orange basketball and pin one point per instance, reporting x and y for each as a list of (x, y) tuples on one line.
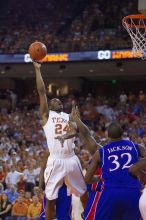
[(37, 51)]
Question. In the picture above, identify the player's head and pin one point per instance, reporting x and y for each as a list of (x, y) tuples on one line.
[(114, 130), (56, 105)]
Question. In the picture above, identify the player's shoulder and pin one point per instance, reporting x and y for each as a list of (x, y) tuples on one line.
[(65, 114), (52, 112), (123, 142)]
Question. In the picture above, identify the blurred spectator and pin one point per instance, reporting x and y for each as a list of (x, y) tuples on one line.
[(27, 198), (131, 97), (37, 192), (13, 97), (2, 175), (37, 170), (5, 207), (30, 176), (137, 108), (85, 25), (21, 183), (123, 98), (11, 193), (108, 112), (34, 209), (12, 176), (141, 96), (1, 188), (19, 210), (14, 158)]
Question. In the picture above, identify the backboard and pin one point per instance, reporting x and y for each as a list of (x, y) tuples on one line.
[(142, 6)]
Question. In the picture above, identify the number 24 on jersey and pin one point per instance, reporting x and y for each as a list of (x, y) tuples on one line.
[(59, 129)]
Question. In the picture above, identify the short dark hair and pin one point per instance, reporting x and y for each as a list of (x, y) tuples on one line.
[(115, 130)]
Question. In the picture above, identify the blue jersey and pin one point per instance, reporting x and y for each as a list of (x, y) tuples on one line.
[(116, 157)]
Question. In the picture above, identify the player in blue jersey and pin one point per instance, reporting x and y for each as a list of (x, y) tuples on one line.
[(124, 212), (119, 200)]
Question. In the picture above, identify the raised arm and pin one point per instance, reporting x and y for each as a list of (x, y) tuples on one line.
[(84, 133), (84, 130), (44, 111)]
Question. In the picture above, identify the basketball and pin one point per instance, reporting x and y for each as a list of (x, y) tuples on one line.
[(37, 51)]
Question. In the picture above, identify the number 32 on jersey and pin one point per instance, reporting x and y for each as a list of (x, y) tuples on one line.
[(115, 161)]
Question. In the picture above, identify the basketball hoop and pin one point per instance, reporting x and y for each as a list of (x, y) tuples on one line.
[(136, 27)]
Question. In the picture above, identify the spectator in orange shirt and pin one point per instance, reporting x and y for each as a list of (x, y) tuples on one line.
[(37, 192), (131, 97), (141, 96), (27, 198), (20, 166), (20, 209), (22, 193), (34, 209)]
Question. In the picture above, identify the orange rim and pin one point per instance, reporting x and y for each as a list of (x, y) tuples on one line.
[(137, 16)]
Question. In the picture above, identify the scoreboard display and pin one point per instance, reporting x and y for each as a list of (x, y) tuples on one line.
[(74, 56)]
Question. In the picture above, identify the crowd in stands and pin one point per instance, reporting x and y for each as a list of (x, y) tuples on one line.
[(64, 25), (23, 144)]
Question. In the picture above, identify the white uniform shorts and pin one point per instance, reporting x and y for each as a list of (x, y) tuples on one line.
[(142, 204), (62, 169)]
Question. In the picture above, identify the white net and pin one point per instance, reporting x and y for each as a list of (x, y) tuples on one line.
[(136, 27)]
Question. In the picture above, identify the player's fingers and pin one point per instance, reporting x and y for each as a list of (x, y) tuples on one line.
[(73, 108), (36, 64), (77, 109)]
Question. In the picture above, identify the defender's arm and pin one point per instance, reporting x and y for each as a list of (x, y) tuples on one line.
[(84, 132)]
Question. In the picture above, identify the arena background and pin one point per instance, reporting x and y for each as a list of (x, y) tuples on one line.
[(87, 46), (89, 60)]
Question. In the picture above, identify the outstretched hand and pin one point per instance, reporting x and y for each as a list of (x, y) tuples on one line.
[(75, 112), (36, 65)]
